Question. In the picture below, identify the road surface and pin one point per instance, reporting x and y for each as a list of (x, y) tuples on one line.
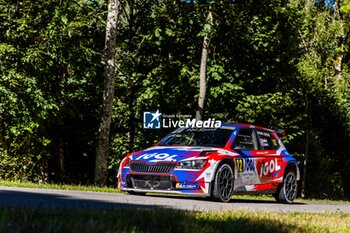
[(47, 198)]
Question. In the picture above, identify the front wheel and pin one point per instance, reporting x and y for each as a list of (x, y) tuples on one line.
[(223, 183), (287, 191)]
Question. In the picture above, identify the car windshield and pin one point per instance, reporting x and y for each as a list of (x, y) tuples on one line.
[(197, 137)]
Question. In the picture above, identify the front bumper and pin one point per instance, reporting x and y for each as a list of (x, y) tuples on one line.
[(177, 182), (177, 192)]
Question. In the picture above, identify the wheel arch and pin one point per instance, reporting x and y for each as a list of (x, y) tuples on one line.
[(229, 161), (294, 167)]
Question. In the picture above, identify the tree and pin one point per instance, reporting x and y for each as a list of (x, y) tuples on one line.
[(108, 94), (50, 58), (203, 65), (324, 79)]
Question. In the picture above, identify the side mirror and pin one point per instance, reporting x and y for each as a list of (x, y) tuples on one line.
[(281, 132)]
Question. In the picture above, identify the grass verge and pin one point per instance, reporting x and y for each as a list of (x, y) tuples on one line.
[(161, 220), (24, 184)]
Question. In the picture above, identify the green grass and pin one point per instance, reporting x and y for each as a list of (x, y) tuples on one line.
[(161, 220), (24, 184)]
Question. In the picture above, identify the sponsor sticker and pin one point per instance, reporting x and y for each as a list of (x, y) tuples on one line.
[(186, 186)]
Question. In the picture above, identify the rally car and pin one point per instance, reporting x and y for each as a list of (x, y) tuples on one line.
[(213, 162)]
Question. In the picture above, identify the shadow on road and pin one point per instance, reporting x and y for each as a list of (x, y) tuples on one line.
[(22, 199), (233, 200), (22, 211)]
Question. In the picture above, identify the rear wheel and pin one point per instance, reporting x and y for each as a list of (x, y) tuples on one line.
[(223, 184), (287, 191)]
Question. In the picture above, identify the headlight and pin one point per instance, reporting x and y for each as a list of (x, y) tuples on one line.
[(192, 164)]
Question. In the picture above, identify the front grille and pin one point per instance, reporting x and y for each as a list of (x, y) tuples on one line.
[(156, 168), (152, 182)]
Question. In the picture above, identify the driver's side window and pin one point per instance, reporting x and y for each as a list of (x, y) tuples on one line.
[(245, 140)]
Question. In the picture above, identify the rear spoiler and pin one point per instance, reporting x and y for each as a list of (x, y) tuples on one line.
[(281, 132)]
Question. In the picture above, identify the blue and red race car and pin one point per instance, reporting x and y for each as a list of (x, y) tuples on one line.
[(215, 162)]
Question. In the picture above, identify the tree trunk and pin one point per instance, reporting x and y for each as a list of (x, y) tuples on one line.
[(60, 132), (203, 69), (60, 154), (305, 164), (338, 63), (307, 146), (108, 94)]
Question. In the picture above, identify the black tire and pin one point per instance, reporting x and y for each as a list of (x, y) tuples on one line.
[(223, 184), (288, 189)]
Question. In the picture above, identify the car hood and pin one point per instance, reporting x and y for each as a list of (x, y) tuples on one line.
[(172, 153)]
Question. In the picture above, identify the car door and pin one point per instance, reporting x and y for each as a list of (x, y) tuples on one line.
[(268, 158), (245, 143)]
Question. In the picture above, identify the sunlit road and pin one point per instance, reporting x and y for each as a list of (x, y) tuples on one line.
[(44, 198)]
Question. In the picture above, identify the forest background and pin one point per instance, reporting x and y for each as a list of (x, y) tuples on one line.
[(274, 63)]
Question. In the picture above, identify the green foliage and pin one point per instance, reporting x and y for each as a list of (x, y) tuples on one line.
[(323, 40), (49, 68), (280, 64), (345, 7)]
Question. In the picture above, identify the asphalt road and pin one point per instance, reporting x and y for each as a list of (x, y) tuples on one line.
[(46, 198)]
